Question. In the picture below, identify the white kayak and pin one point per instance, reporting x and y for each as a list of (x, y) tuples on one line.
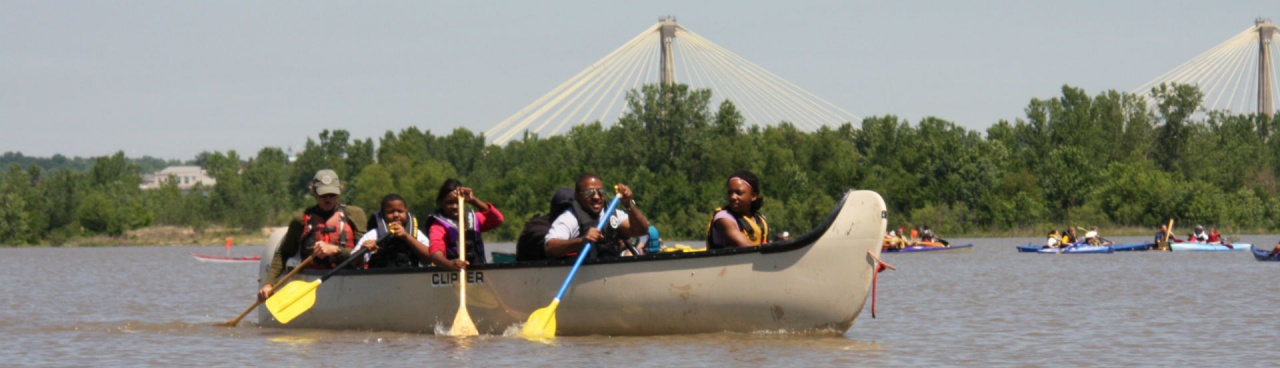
[(1206, 247)]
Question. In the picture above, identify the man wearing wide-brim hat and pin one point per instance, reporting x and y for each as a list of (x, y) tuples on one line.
[(329, 230)]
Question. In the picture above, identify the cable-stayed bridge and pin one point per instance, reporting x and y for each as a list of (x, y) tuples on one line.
[(669, 53), (1237, 75)]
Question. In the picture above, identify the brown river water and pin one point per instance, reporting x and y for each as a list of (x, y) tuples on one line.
[(152, 306)]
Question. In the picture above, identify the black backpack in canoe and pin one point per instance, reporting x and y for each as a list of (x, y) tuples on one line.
[(530, 244)]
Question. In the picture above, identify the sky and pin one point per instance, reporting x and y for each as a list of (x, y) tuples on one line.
[(171, 79)]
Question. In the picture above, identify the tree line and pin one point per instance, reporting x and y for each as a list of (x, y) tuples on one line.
[(1111, 159)]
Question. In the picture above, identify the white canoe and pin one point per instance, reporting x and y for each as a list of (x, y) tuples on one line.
[(1206, 247), (816, 282)]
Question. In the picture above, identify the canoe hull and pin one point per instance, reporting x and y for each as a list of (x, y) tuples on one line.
[(1204, 247), (818, 281), (218, 259)]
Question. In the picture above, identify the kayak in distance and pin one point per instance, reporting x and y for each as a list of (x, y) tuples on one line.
[(221, 259), (1265, 255), (939, 248), (1070, 249), (1206, 247), (817, 283)]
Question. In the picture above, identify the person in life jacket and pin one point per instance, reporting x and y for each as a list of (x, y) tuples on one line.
[(442, 226), (329, 229), (1053, 241), (576, 226), (1214, 236), (1199, 235), (739, 223), (405, 245), (1093, 237), (1069, 237)]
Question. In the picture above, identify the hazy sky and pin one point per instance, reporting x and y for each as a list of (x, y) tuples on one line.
[(173, 78)]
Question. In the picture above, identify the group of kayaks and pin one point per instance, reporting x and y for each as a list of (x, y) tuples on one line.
[(1260, 254)]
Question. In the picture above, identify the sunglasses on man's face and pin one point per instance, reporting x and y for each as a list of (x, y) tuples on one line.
[(590, 192)]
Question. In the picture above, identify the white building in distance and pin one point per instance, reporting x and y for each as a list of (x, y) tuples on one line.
[(186, 177)]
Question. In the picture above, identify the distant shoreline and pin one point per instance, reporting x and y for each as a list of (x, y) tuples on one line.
[(166, 236)]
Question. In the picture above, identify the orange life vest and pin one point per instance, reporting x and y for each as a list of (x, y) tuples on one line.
[(333, 230)]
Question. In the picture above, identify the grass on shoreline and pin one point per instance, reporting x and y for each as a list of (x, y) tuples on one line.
[(172, 236)]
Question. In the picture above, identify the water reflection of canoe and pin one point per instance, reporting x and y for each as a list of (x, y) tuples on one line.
[(220, 259), (962, 248), (1206, 247), (1070, 249), (1264, 255), (816, 282)]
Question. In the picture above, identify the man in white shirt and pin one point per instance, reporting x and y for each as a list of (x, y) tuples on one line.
[(566, 236)]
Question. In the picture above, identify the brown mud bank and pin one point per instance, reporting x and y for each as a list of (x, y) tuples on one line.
[(175, 235)]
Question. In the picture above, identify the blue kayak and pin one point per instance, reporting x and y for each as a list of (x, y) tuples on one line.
[(1265, 255), (1070, 249), (1133, 247)]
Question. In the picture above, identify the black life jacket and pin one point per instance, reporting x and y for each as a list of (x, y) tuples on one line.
[(611, 245), (332, 228), (755, 227), (475, 244), (394, 252)]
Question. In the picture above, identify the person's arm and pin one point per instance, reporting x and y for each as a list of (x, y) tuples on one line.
[(490, 218), (436, 251), (369, 240), (563, 236), (728, 229), (288, 247), (636, 224), (419, 244)]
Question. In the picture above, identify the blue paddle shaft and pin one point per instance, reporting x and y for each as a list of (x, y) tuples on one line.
[(604, 218)]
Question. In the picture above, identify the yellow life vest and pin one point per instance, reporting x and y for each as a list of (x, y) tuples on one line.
[(755, 227)]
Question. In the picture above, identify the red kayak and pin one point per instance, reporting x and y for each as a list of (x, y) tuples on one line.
[(219, 259)]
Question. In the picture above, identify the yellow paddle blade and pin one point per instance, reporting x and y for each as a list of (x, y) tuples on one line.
[(542, 323), (294, 299), (462, 325)]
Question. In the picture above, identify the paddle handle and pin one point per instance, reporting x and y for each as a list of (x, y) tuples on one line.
[(462, 249), (604, 218)]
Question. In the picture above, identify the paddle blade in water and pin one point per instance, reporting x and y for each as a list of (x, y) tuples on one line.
[(462, 325), (542, 323), (294, 299)]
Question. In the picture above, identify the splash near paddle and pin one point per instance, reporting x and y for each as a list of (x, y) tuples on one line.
[(542, 322)]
